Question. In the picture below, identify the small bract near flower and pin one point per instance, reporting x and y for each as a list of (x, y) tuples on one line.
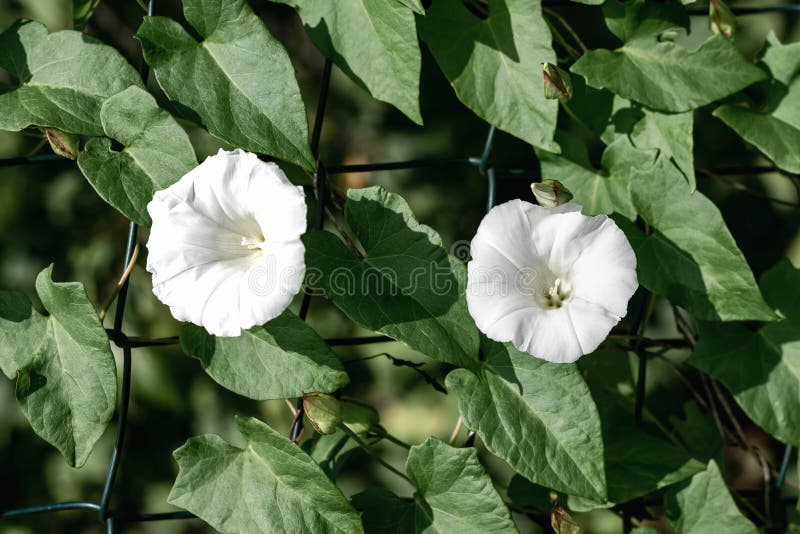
[(552, 281), (224, 248)]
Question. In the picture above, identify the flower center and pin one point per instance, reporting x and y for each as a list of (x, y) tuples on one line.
[(557, 294), (254, 243)]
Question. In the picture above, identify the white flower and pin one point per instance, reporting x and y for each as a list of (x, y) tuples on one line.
[(551, 281), (224, 248)]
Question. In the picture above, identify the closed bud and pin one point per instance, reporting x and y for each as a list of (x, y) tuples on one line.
[(550, 193), (562, 522), (557, 82), (358, 417), (721, 18), (323, 411), (64, 144)]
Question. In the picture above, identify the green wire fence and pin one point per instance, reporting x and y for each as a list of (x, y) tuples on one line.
[(112, 519)]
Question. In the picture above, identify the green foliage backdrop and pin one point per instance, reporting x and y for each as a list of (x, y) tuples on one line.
[(683, 421)]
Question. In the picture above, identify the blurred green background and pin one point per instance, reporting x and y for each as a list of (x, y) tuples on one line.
[(49, 213)]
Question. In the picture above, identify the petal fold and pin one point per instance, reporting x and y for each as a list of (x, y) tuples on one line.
[(224, 249)]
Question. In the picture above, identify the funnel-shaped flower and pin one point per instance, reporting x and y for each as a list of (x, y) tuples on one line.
[(552, 281), (224, 248)]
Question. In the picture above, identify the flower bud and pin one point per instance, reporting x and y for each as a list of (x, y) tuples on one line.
[(64, 144), (562, 522), (557, 82), (550, 193), (323, 411), (721, 18), (358, 417)]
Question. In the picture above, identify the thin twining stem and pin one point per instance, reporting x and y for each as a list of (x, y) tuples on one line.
[(417, 367), (347, 239), (355, 437), (742, 437), (381, 432), (573, 52), (120, 283), (645, 343), (686, 382), (566, 26), (745, 189)]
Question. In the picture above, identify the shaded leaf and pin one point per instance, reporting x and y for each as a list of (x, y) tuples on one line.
[(775, 131), (333, 451), (65, 371), (636, 463), (406, 286), (383, 511), (457, 489), (698, 432), (605, 190), (526, 494), (415, 5), (453, 494), (374, 42), (761, 369), (64, 78), (704, 504), (156, 153), (282, 359), (237, 81), (691, 258), (495, 64), (611, 116), (778, 140), (82, 11), (268, 486), (661, 74), (647, 129), (537, 416)]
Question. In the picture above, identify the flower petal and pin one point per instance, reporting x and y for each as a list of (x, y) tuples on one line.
[(520, 253), (605, 272), (269, 285), (570, 233), (189, 293), (591, 321), (217, 189), (507, 229), (277, 205), (549, 335), (215, 230), (182, 238), (492, 296)]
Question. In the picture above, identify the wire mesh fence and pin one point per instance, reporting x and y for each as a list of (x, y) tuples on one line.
[(491, 171)]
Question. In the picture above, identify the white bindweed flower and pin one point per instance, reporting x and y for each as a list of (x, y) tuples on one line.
[(551, 281), (224, 248)]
